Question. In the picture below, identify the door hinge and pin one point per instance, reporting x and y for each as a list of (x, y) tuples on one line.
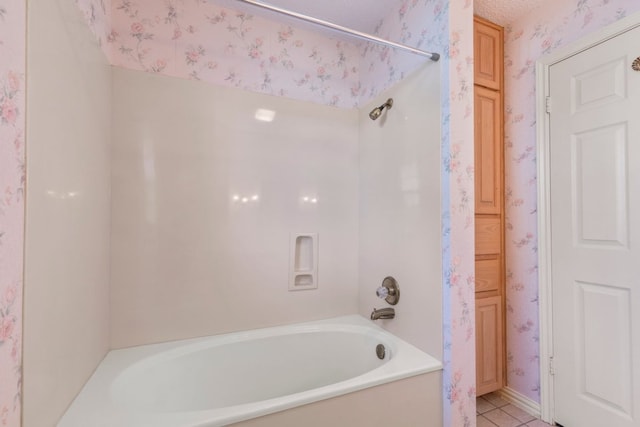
[(552, 372), (548, 104)]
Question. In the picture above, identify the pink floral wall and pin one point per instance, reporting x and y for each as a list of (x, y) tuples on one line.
[(98, 16), (12, 181), (414, 23), (199, 40), (553, 25), (458, 216)]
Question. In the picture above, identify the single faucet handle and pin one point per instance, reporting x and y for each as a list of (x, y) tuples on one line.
[(382, 292), (389, 291)]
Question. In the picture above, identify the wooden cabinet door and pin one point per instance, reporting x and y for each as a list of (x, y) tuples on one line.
[(488, 151), (488, 344), (488, 209), (488, 54)]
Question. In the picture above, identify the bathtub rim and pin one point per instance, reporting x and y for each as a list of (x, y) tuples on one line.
[(95, 397)]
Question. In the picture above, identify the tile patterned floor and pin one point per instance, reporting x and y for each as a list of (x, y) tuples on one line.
[(494, 411)]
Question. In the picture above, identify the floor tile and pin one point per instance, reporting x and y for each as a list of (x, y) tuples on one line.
[(501, 418), (482, 405), (518, 413), (495, 400), (483, 422)]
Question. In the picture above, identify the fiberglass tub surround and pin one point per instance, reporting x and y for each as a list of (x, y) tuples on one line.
[(181, 254), (215, 381)]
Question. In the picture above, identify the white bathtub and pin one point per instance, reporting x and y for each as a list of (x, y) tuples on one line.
[(224, 379)]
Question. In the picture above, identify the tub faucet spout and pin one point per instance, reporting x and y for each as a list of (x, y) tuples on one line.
[(383, 313)]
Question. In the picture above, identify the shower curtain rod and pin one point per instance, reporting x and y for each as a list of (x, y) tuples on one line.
[(364, 36)]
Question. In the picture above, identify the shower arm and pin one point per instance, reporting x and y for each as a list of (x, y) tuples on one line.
[(359, 34)]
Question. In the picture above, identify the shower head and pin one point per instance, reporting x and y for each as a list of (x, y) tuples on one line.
[(377, 112)]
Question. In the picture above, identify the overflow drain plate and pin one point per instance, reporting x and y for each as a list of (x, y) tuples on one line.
[(381, 351)]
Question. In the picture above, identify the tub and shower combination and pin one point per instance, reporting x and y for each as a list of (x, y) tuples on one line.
[(341, 372), (338, 372)]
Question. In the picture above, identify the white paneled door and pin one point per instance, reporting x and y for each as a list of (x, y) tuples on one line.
[(595, 234)]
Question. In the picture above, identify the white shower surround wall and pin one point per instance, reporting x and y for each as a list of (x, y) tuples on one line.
[(151, 159), (225, 379), (189, 257), (172, 297), (67, 217), (399, 209)]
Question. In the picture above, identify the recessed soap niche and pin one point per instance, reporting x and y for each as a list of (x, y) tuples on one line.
[(303, 264)]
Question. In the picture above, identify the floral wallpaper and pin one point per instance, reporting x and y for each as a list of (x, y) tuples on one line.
[(12, 181), (458, 215), (553, 25), (98, 16), (414, 23), (199, 40)]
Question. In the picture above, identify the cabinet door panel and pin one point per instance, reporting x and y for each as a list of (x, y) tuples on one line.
[(489, 354), (488, 151), (488, 236), (488, 274), (488, 51)]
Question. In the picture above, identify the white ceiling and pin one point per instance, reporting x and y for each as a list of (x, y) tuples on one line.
[(503, 12), (365, 15)]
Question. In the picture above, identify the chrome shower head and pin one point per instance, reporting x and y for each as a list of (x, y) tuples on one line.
[(377, 112)]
